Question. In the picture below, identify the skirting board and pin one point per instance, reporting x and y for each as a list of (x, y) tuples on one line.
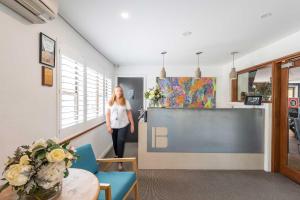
[(208, 161)]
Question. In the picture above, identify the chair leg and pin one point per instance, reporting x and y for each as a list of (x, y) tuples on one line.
[(108, 194), (136, 192), (107, 188)]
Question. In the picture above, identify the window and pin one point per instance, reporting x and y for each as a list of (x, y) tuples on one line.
[(72, 92), (94, 93), (108, 88), (82, 93), (257, 82)]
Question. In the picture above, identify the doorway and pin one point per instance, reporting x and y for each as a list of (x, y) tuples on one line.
[(290, 122), (134, 92)]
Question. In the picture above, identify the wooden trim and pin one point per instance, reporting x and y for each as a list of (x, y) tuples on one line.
[(297, 63), (283, 117), (107, 188), (284, 168), (114, 160), (254, 68), (281, 59), (133, 187), (275, 152), (234, 92), (72, 137), (291, 173)]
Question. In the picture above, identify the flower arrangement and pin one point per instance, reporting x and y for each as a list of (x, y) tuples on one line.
[(154, 95), (36, 169)]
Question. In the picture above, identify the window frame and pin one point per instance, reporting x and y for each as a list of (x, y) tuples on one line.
[(75, 94), (85, 124)]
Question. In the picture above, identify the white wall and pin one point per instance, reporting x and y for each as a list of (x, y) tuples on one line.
[(280, 48), (28, 111), (151, 72), (283, 47)]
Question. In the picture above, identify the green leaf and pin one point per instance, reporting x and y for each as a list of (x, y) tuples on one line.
[(64, 145), (66, 173), (41, 155), (3, 187)]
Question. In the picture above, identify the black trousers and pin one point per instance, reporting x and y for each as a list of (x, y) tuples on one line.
[(118, 137)]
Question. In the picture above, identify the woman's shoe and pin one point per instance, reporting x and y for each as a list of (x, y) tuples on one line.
[(120, 167)]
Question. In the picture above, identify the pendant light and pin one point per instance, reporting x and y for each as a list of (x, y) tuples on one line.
[(163, 70), (233, 73), (198, 71)]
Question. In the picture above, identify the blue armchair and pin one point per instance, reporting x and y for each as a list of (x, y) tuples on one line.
[(113, 185)]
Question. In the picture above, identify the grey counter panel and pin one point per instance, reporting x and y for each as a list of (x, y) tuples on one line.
[(209, 131)]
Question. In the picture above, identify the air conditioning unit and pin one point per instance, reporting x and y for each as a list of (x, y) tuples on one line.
[(35, 11)]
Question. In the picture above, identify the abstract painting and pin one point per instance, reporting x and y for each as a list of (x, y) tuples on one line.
[(188, 92)]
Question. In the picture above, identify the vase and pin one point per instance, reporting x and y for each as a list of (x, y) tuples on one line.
[(154, 104), (43, 194)]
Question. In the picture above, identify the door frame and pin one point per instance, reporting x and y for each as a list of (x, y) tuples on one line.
[(284, 169), (143, 101), (135, 76), (279, 119)]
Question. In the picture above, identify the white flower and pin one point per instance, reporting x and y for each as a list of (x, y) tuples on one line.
[(151, 96), (50, 174), (39, 143), (55, 139), (17, 174), (24, 160), (69, 164), (69, 156), (56, 155), (7, 162)]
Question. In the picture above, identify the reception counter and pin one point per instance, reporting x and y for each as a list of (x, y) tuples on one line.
[(229, 138)]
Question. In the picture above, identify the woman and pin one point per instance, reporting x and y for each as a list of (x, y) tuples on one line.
[(118, 118)]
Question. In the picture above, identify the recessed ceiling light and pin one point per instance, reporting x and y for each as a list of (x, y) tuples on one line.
[(266, 15), (187, 33), (125, 15)]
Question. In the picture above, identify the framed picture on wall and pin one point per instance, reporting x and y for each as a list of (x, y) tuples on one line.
[(47, 50), (47, 76), (253, 100)]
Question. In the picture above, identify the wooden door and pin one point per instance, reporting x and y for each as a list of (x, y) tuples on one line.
[(289, 152)]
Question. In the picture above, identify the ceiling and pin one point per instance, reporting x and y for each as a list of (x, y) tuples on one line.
[(218, 27)]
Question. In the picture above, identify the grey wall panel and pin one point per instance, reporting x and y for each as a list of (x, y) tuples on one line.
[(209, 131)]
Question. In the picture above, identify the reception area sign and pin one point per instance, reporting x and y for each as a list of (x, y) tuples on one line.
[(188, 92)]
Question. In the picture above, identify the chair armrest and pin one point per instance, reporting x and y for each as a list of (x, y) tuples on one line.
[(111, 160), (114, 160), (107, 188)]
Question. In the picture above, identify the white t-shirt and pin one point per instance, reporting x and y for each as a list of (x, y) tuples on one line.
[(118, 115)]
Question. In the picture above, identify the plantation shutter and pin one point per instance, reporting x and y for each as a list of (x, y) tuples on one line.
[(108, 88), (71, 92), (94, 91)]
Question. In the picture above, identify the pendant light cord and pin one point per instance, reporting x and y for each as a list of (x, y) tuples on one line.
[(163, 54), (163, 60)]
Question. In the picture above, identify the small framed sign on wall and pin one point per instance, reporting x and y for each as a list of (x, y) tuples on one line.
[(47, 50), (253, 100), (47, 76)]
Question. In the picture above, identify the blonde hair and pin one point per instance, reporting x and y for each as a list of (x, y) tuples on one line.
[(113, 98)]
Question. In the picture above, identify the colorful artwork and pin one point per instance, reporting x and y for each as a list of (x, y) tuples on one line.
[(188, 92)]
